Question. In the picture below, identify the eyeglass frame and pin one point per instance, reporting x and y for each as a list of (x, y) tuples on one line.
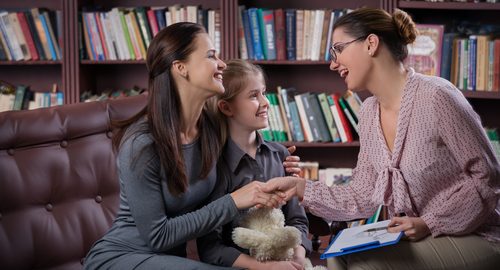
[(334, 48)]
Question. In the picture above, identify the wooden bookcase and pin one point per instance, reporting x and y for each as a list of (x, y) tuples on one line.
[(450, 14), (75, 76)]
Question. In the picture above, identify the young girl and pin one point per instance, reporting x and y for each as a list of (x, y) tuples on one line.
[(166, 161), (243, 109), (423, 153)]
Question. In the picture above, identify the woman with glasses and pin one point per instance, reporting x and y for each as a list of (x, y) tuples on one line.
[(423, 154)]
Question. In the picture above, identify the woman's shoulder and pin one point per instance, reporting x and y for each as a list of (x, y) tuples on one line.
[(431, 86), (368, 106), (136, 138)]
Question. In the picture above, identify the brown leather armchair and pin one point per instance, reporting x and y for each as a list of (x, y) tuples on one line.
[(58, 183)]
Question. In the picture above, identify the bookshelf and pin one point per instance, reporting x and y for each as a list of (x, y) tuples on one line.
[(40, 75), (75, 75), (452, 14)]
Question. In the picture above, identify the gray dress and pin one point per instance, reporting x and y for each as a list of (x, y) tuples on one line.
[(152, 226)]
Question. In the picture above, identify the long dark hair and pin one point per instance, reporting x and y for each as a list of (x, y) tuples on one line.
[(163, 110), (395, 31)]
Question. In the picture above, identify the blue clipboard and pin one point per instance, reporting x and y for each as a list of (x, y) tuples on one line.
[(361, 238)]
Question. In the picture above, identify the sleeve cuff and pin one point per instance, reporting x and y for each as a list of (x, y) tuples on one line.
[(308, 197)]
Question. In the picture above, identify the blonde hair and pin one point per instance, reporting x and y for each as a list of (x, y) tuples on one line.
[(235, 78)]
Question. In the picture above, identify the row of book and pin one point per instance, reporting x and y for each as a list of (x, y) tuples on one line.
[(471, 62), (125, 33), (88, 96), (286, 34), (34, 34), (21, 97), (312, 117)]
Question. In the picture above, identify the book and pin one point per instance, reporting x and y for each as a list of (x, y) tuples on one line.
[(424, 55), (446, 56), (258, 53), (360, 238), (242, 42), (290, 34), (279, 22)]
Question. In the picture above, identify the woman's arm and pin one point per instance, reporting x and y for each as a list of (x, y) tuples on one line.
[(141, 183), (473, 198)]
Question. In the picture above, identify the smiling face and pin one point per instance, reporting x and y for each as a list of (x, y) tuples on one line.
[(248, 109), (353, 62), (203, 66)]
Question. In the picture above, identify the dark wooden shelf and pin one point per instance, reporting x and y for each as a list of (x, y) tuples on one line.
[(23, 63), (448, 5), (481, 94), (289, 62), (321, 144), (112, 62)]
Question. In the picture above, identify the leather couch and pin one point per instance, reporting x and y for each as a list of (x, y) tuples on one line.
[(58, 182)]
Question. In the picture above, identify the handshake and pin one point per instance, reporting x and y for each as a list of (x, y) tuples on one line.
[(274, 193)]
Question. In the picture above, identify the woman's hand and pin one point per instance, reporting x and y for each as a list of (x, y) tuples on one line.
[(413, 227), (286, 187), (291, 163), (251, 194)]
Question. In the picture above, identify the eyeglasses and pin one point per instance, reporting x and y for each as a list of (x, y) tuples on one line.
[(339, 47)]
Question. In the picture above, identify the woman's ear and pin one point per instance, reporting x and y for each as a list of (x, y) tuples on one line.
[(179, 68), (373, 43), (225, 108)]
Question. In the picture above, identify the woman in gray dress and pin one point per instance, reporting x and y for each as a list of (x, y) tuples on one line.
[(166, 161)]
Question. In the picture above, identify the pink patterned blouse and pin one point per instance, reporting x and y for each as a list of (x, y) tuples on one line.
[(442, 167)]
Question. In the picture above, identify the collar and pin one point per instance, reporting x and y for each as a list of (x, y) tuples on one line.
[(233, 154)]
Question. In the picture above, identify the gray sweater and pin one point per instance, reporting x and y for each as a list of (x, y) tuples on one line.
[(150, 219)]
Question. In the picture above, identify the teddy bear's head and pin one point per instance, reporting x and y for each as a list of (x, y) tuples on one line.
[(264, 234)]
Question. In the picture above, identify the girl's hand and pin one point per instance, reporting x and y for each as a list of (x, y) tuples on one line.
[(291, 163), (251, 194), (299, 255), (413, 227)]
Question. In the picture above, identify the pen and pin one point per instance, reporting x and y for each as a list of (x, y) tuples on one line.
[(376, 229)]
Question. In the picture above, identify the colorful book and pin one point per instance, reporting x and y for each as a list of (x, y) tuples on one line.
[(424, 55)]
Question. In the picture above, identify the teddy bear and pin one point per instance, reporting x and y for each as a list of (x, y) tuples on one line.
[(263, 232)]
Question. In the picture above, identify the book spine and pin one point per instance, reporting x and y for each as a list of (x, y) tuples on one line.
[(319, 118), (16, 26), (279, 22), (248, 33), (332, 128), (308, 137), (28, 35), (290, 34), (256, 40), (152, 22), (242, 43)]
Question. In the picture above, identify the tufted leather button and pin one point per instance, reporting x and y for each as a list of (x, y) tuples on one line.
[(10, 152), (109, 134), (82, 260), (98, 199), (64, 144), (48, 207)]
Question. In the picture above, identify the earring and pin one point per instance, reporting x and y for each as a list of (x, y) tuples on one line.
[(370, 53)]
